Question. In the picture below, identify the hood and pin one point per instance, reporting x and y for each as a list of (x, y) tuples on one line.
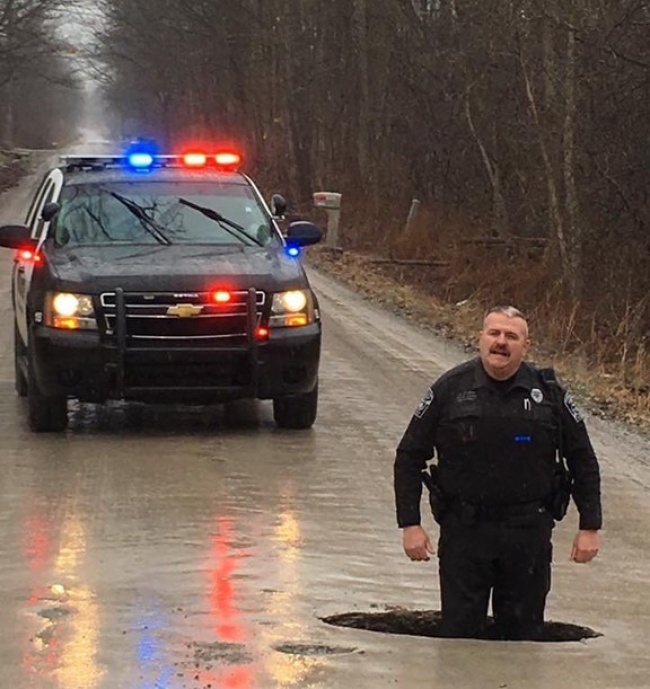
[(172, 268)]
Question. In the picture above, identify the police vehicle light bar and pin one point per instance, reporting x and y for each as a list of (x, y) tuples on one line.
[(228, 161)]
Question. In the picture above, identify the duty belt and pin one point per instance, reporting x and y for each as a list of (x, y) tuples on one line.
[(496, 513)]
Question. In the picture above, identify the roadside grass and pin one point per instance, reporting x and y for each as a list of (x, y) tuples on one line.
[(608, 372)]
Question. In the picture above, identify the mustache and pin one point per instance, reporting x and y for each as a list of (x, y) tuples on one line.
[(499, 350)]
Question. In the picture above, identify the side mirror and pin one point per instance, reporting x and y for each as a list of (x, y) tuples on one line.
[(16, 237), (49, 211), (303, 233), (278, 205)]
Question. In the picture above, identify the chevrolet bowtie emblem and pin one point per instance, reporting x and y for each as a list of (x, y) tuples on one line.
[(184, 310)]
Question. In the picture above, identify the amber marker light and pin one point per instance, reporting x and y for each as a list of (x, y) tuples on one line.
[(66, 323), (296, 319)]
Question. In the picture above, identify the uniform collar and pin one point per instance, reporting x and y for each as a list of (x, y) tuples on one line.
[(524, 378)]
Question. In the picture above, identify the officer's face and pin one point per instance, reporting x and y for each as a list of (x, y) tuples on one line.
[(503, 345)]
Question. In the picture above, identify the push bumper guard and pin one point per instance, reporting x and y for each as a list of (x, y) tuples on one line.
[(128, 356)]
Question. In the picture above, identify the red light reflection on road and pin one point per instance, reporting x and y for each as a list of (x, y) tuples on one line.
[(237, 678), (227, 623), (38, 549)]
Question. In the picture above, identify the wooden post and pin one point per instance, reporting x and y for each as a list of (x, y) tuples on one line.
[(413, 214)]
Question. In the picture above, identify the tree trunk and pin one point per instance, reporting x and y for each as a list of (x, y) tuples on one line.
[(363, 113), (573, 226), (555, 210), (499, 211), (8, 115)]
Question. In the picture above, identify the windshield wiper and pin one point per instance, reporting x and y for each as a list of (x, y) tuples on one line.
[(149, 224), (227, 224)]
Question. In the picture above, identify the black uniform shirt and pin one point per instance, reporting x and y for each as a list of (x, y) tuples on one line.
[(495, 443)]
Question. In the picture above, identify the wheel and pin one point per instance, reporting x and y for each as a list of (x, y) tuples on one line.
[(296, 412), (19, 352), (46, 414)]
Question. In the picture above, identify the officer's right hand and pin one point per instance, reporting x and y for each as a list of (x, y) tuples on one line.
[(416, 542)]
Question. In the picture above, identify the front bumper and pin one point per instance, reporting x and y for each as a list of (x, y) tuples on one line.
[(80, 365)]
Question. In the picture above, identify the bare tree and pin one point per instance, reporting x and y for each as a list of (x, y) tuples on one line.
[(526, 117), (31, 53)]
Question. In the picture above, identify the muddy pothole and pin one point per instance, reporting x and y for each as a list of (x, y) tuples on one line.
[(313, 649), (427, 623)]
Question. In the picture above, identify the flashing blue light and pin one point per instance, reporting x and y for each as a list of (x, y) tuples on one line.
[(293, 251), (140, 160), (141, 154)]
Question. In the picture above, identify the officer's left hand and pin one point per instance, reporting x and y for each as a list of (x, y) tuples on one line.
[(585, 546)]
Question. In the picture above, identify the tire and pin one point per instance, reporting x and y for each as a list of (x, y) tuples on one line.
[(19, 351), (297, 412), (46, 414)]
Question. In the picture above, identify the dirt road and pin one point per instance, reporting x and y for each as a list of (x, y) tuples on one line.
[(177, 548)]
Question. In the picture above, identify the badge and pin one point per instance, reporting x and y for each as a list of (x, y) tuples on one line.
[(466, 396), (571, 406), (425, 403), (536, 395)]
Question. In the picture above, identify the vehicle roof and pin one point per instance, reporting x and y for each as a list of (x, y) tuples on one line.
[(173, 174)]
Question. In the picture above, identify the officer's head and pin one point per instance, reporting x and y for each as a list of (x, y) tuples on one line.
[(504, 341)]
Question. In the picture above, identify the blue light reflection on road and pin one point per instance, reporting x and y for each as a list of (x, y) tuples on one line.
[(152, 659)]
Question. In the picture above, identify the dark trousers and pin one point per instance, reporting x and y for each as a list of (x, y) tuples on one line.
[(508, 559)]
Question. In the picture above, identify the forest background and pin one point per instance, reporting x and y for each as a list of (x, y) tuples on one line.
[(522, 128)]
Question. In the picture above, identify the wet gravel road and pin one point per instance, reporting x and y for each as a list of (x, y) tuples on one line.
[(171, 548)]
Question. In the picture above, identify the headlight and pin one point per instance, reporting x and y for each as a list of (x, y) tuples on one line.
[(70, 311), (290, 309)]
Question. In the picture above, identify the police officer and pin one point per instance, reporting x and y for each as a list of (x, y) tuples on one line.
[(495, 425)]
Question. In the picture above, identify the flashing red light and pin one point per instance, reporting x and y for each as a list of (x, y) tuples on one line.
[(195, 159), (29, 255), (227, 159), (221, 296), (261, 332)]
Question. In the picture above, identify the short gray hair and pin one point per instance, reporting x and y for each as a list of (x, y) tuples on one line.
[(510, 311)]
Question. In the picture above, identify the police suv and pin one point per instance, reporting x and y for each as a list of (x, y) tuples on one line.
[(161, 279)]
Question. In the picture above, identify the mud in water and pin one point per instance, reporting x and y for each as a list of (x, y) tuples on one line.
[(222, 653), (313, 649)]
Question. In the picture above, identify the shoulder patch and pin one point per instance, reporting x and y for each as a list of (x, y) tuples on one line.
[(572, 407), (425, 403)]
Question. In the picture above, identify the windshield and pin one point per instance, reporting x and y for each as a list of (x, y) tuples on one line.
[(93, 214)]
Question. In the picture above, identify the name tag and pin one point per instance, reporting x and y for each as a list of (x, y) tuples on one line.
[(523, 438)]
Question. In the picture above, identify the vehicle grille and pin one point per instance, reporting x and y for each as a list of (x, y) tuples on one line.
[(187, 319), (229, 371)]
